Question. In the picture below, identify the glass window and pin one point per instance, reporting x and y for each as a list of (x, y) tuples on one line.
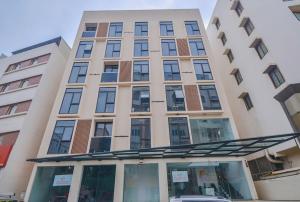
[(209, 178), (44, 188), (141, 48), (106, 100), (97, 184), (276, 77), (218, 24), (175, 98), (247, 100), (141, 29), (209, 97), (90, 30), (85, 49), (110, 73), (179, 131), (197, 47), (141, 183), (166, 28), (261, 49), (230, 56), (78, 72), (171, 70), (61, 137), (238, 77), (223, 39), (141, 70), (297, 14), (202, 70), (3, 87), (71, 101), (113, 49), (101, 142), (239, 8), (140, 99), (192, 28), (210, 130), (115, 29), (168, 47), (140, 134), (249, 27)]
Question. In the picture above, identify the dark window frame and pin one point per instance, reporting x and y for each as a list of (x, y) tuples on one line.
[(249, 27), (209, 97), (116, 46), (143, 26), (206, 73), (238, 77), (176, 127), (167, 47), (74, 102), (107, 91), (139, 70), (142, 125), (200, 48), (137, 96), (175, 100), (85, 47), (141, 48), (166, 28), (107, 129), (193, 26), (261, 49), (172, 75), (276, 77), (110, 73), (115, 29), (78, 76)]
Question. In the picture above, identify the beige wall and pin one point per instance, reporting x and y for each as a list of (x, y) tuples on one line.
[(15, 175)]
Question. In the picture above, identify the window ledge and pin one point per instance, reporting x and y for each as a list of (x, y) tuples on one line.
[(141, 58), (173, 82), (110, 59), (140, 113), (105, 114), (17, 70), (196, 36), (75, 84), (82, 59), (68, 115), (205, 81), (13, 115), (168, 37), (18, 89), (201, 112)]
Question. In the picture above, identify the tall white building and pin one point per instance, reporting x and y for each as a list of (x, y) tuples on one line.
[(29, 82), (255, 44)]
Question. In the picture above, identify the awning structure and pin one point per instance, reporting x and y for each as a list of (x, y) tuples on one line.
[(230, 148)]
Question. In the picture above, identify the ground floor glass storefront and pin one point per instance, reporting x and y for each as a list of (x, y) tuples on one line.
[(141, 182)]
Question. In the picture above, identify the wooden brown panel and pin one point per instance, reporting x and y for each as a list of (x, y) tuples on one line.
[(8, 138), (34, 80), (4, 110), (13, 85), (81, 137), (23, 106), (192, 98), (102, 29), (183, 48), (125, 71)]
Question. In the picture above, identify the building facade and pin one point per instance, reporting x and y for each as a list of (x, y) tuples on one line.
[(255, 46), (28, 85), (137, 80)]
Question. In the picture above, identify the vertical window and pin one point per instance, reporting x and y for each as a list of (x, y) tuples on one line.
[(140, 134), (90, 30), (61, 137), (171, 70), (12, 109), (209, 97), (166, 28), (175, 98), (276, 77), (24, 83), (239, 8), (223, 39), (261, 49), (101, 142), (85, 49), (106, 100), (141, 29), (71, 101), (197, 47), (247, 100), (192, 28), (238, 77), (141, 70), (115, 29), (141, 48), (168, 47), (230, 56), (140, 99), (297, 14), (110, 73), (78, 72), (217, 23), (113, 49), (3, 88), (202, 70), (249, 27), (179, 131)]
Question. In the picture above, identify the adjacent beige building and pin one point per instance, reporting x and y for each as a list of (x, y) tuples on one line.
[(29, 82), (255, 46), (134, 81)]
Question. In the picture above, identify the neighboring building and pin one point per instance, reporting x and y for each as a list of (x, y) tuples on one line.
[(256, 48), (138, 80), (28, 86)]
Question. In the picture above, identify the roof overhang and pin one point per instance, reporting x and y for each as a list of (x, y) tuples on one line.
[(229, 148)]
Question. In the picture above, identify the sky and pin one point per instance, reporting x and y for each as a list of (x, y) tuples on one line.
[(27, 22)]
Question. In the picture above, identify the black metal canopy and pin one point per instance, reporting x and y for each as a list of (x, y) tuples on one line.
[(229, 148)]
